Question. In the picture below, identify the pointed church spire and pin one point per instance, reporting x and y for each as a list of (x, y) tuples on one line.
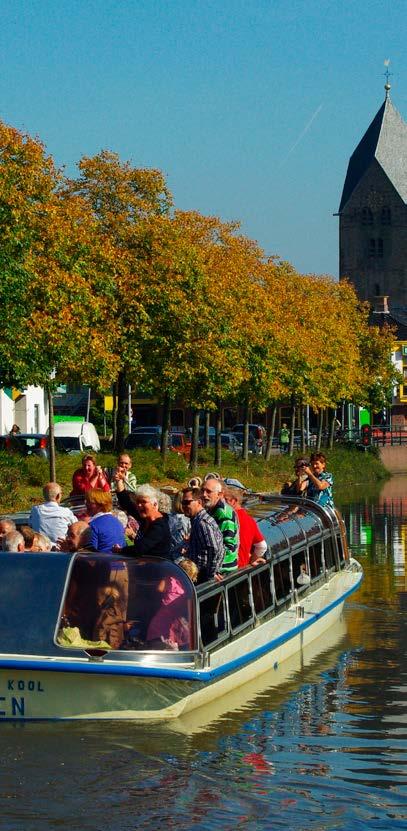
[(387, 74)]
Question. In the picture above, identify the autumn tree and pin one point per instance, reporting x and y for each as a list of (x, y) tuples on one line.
[(122, 199)]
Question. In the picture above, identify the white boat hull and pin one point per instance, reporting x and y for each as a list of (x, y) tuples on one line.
[(51, 688)]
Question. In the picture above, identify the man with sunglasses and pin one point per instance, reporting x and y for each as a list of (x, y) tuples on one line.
[(205, 545)]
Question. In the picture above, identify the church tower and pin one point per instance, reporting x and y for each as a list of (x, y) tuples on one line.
[(373, 211)]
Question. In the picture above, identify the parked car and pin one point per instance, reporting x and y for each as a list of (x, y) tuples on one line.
[(254, 447), (230, 441), (211, 433), (142, 438), (25, 444), (76, 437), (258, 434), (180, 443), (155, 428)]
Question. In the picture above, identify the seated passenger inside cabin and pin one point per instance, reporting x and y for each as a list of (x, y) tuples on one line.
[(169, 626)]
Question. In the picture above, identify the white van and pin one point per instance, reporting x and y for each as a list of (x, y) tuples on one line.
[(76, 437)]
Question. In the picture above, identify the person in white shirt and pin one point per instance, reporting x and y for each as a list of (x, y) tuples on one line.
[(51, 518)]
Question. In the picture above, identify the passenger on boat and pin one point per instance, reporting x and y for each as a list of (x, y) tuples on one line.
[(124, 474), (153, 535), (190, 568), (28, 536), (13, 541), (205, 545), (225, 517), (111, 606), (51, 518), (88, 477), (41, 542), (320, 481), (106, 530), (169, 625), (252, 545), (77, 537), (6, 525), (299, 485), (180, 525)]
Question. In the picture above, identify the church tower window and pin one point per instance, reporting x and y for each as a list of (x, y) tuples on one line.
[(367, 216), (385, 216)]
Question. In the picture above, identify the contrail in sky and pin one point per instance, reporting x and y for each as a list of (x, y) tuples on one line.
[(302, 134)]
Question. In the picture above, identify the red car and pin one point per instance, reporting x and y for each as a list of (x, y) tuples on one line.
[(181, 444)]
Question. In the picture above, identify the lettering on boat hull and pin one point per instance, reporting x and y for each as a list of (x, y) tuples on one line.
[(13, 705)]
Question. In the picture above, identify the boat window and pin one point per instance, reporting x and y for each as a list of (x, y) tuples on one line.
[(213, 618), (282, 579), (240, 608), (329, 555), (300, 570), (274, 537), (290, 527), (315, 560), (128, 604), (262, 591)]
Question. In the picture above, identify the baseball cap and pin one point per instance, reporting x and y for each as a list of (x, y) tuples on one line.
[(234, 483)]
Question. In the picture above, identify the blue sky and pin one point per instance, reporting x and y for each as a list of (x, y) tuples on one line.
[(250, 107)]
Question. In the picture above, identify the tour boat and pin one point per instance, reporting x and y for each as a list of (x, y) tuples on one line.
[(96, 636)]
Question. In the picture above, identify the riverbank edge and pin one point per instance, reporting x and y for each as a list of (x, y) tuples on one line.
[(22, 479)]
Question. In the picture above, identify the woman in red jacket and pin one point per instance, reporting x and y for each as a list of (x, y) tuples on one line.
[(89, 477)]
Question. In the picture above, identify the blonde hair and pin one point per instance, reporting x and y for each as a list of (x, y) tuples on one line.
[(190, 568), (102, 499)]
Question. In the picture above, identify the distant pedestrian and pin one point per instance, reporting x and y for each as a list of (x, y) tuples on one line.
[(284, 438)]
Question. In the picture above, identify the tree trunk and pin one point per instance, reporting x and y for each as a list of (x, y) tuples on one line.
[(270, 434), (293, 407), (51, 438), (245, 454), (320, 425), (193, 459), (165, 426), (218, 429), (114, 414), (206, 429), (303, 436), (331, 428), (122, 397)]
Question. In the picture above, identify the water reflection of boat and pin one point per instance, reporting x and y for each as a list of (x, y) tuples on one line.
[(94, 636), (272, 688)]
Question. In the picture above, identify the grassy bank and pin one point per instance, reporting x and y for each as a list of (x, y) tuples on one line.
[(21, 479)]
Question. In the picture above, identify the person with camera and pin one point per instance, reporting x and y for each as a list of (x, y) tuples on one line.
[(299, 485)]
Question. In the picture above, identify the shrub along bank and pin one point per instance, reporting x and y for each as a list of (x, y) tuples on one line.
[(21, 479)]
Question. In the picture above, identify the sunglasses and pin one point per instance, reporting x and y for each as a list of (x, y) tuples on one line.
[(187, 501)]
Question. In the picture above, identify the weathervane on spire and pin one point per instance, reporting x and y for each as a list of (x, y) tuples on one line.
[(387, 76)]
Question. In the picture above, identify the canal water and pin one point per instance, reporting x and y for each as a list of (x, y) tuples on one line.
[(322, 746)]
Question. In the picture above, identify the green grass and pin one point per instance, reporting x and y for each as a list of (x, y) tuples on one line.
[(21, 479)]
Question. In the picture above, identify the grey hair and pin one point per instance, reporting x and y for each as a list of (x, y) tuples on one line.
[(164, 502), (121, 516), (12, 540), (43, 541), (51, 490), (10, 523), (148, 492)]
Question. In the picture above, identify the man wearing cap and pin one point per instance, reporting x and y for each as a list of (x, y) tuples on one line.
[(252, 545), (226, 519)]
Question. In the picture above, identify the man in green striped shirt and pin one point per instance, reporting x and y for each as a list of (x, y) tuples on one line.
[(226, 519)]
